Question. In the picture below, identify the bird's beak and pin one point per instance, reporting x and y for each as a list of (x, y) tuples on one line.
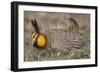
[(34, 36), (33, 41)]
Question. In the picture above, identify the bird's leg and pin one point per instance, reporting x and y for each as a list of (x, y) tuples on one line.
[(58, 54), (50, 51)]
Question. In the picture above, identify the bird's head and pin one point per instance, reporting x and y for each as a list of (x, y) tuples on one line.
[(38, 39)]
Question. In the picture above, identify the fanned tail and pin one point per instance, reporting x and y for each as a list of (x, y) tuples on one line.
[(74, 26)]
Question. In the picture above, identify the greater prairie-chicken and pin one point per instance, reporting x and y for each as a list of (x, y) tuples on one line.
[(57, 39)]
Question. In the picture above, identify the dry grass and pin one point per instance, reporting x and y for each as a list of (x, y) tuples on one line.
[(46, 20)]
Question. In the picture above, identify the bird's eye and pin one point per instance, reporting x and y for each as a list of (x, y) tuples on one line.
[(33, 34)]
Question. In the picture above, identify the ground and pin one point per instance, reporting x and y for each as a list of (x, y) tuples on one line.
[(49, 19)]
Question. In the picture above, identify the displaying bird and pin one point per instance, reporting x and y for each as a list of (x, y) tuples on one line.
[(57, 39), (39, 39)]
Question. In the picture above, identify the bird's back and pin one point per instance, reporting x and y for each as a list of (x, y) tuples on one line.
[(61, 40)]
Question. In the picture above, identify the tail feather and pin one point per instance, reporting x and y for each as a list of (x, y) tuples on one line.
[(74, 27)]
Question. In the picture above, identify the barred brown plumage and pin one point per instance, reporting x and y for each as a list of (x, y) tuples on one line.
[(61, 39)]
